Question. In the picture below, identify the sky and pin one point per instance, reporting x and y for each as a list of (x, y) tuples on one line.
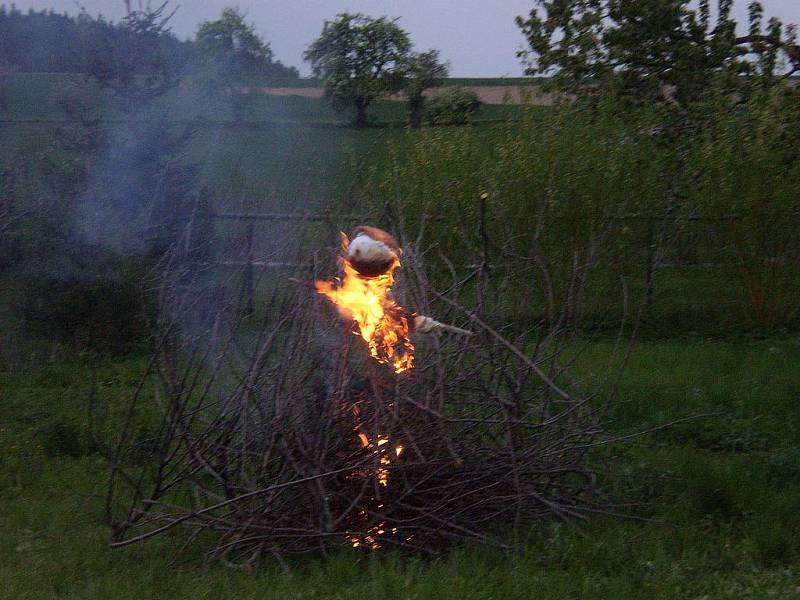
[(478, 37)]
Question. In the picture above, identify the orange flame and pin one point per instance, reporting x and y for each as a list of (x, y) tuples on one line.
[(382, 323)]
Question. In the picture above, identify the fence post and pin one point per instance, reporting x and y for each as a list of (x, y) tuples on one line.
[(10, 251), (249, 281), (649, 269)]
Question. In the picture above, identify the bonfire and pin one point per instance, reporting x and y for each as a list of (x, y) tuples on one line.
[(389, 435)]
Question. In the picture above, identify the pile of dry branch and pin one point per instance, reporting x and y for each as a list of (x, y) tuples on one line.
[(278, 434)]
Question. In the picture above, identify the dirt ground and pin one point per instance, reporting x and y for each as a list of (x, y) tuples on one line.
[(492, 94)]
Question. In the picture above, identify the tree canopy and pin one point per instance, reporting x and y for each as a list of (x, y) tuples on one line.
[(654, 50), (236, 49), (424, 71), (360, 58), (136, 63), (45, 41)]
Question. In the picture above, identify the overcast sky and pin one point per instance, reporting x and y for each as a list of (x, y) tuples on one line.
[(478, 37)]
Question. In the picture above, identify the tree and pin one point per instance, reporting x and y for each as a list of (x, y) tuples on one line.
[(452, 106), (135, 60), (233, 43), (653, 50), (236, 49), (45, 41), (134, 188), (424, 72), (232, 52), (360, 58)]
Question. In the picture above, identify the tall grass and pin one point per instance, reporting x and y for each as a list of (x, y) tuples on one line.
[(599, 208), (749, 176), (561, 186)]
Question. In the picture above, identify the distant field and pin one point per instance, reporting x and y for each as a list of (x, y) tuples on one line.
[(289, 153), (39, 97), (467, 81), (294, 147), (490, 91)]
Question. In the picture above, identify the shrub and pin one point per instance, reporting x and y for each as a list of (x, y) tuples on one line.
[(86, 297), (61, 439), (687, 231), (452, 106)]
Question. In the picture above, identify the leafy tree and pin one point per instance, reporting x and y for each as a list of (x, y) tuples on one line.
[(424, 72), (360, 58), (653, 50), (452, 106), (232, 53), (233, 42), (236, 50)]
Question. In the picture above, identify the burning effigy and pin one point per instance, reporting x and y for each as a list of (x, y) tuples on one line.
[(363, 294), (338, 420)]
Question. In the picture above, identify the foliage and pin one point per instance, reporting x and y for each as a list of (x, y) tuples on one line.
[(93, 302), (654, 50), (230, 55), (233, 43), (139, 50), (93, 212), (137, 66), (557, 185), (48, 42), (716, 105), (710, 216), (424, 72), (697, 280), (452, 106), (360, 58), (235, 50)]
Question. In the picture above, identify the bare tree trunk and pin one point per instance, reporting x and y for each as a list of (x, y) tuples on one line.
[(361, 111), (416, 110)]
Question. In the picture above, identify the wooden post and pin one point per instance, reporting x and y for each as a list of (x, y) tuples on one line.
[(649, 269), (249, 281)]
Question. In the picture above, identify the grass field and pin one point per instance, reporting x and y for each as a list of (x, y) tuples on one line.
[(295, 148), (716, 498), (288, 154), (38, 97)]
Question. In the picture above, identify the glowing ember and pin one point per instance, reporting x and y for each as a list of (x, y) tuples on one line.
[(385, 454), (381, 322)]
